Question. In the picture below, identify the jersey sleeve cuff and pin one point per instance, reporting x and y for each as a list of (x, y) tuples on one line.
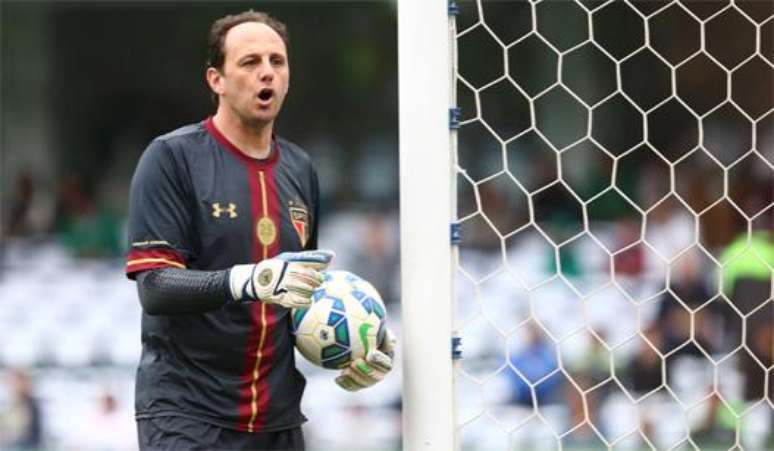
[(143, 259)]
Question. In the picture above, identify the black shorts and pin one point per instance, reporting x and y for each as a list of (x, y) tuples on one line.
[(179, 433)]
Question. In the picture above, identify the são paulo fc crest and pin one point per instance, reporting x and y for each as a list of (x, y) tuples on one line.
[(300, 219)]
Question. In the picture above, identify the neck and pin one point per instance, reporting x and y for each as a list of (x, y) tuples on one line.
[(252, 139)]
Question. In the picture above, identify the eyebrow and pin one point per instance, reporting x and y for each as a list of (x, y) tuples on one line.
[(258, 55)]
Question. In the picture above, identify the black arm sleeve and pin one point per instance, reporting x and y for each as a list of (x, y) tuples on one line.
[(173, 291)]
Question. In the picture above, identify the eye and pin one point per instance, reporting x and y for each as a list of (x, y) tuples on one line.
[(277, 61), (249, 62)]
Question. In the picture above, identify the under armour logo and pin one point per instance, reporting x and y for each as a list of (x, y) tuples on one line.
[(217, 210)]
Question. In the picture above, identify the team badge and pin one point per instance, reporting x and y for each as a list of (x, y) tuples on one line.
[(266, 230), (300, 219)]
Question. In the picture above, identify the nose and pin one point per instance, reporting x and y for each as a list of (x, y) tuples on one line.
[(267, 75)]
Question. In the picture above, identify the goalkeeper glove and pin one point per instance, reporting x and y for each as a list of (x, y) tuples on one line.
[(287, 279), (365, 372)]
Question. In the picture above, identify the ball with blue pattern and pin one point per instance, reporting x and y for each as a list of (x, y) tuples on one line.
[(346, 319)]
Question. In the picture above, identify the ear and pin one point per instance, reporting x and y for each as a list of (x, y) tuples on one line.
[(215, 80)]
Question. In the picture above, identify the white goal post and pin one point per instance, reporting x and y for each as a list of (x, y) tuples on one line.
[(426, 204)]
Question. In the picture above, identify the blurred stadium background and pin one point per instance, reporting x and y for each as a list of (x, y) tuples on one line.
[(614, 185), (86, 85)]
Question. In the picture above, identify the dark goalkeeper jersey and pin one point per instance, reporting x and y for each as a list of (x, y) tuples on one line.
[(197, 202)]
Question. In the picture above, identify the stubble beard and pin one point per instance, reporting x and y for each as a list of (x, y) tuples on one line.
[(252, 123)]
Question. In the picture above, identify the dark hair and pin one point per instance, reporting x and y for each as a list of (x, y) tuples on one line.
[(219, 29)]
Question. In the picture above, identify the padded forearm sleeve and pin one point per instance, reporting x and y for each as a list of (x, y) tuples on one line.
[(172, 291)]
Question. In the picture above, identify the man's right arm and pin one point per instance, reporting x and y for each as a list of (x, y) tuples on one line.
[(287, 280), (160, 236), (174, 291)]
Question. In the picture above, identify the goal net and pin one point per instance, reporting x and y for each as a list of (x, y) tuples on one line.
[(613, 171)]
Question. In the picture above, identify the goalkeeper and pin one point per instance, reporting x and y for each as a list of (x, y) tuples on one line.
[(223, 220)]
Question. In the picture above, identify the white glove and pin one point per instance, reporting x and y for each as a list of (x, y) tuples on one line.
[(365, 372), (287, 279)]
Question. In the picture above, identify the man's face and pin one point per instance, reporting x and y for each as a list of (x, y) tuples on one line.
[(255, 75)]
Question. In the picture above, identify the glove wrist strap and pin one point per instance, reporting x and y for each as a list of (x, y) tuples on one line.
[(240, 282)]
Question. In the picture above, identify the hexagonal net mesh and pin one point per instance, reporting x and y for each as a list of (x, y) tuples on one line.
[(614, 175)]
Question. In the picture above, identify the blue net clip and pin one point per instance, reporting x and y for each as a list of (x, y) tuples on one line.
[(456, 233), (456, 348), (454, 117), (453, 8)]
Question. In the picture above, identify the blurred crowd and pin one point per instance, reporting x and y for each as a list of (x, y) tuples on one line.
[(635, 350), (645, 324), (21, 426), (76, 220), (614, 281)]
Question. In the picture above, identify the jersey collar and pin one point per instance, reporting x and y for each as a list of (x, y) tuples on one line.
[(209, 124)]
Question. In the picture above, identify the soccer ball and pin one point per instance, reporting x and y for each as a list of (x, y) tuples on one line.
[(345, 321)]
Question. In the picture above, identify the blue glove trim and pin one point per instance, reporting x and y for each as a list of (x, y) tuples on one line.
[(318, 256)]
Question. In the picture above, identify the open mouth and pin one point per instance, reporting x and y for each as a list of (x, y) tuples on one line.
[(266, 94)]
